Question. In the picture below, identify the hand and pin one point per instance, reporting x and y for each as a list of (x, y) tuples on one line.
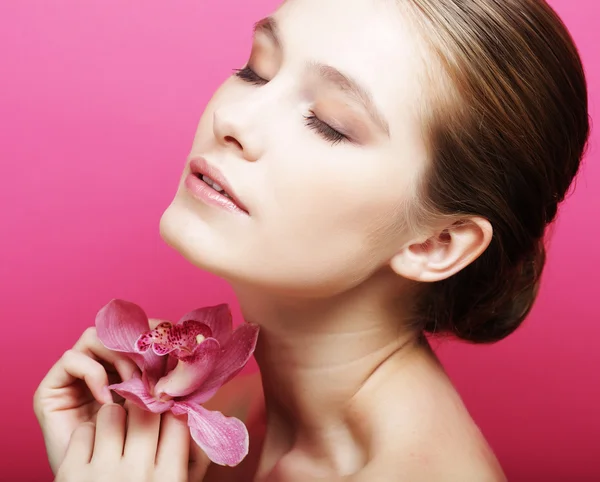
[(131, 445), (74, 390)]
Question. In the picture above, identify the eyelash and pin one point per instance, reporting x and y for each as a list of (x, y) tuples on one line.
[(312, 121), (248, 75)]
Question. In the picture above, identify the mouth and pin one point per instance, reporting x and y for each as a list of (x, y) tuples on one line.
[(216, 185), (212, 184)]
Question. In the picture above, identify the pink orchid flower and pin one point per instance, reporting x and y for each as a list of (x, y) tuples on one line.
[(183, 365)]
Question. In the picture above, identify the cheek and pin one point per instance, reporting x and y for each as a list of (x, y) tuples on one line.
[(325, 250), (337, 195), (330, 236)]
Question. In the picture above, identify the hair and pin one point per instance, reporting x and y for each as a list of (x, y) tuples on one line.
[(506, 122)]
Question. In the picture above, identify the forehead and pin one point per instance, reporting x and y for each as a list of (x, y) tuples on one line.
[(373, 41)]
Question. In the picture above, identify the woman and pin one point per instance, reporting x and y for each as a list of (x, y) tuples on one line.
[(389, 169)]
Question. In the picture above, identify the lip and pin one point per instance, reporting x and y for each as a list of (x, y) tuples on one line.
[(202, 191)]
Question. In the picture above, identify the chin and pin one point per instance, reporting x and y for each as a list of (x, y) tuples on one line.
[(184, 230)]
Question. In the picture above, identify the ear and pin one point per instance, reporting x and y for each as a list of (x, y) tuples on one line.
[(445, 253)]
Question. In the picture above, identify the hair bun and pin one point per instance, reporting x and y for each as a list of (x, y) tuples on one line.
[(490, 316)]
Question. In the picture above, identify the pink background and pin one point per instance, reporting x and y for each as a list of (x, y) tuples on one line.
[(99, 101)]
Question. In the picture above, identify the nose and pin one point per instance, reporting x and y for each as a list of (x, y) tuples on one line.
[(236, 128)]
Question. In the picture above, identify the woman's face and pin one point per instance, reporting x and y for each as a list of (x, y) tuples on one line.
[(319, 138)]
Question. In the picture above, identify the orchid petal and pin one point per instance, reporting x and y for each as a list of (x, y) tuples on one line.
[(118, 326), (234, 356), (136, 391), (224, 439), (217, 318), (202, 395), (191, 371)]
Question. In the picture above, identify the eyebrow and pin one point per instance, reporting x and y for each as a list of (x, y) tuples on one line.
[(331, 75)]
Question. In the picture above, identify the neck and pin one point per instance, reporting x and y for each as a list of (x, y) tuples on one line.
[(316, 357)]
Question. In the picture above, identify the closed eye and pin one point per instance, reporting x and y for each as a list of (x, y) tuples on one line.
[(312, 121), (324, 129), (248, 75)]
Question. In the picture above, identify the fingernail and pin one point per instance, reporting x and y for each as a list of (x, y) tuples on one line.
[(107, 395)]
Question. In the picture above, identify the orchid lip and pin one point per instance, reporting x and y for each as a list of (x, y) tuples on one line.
[(200, 168)]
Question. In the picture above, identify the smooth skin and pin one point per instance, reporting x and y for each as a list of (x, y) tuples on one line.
[(128, 444), (326, 263), (89, 438)]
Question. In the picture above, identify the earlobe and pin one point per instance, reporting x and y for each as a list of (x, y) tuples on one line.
[(445, 253)]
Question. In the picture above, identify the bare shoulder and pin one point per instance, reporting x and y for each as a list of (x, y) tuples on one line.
[(437, 457), (424, 432)]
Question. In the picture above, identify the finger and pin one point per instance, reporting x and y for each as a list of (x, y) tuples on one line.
[(173, 447), (81, 445), (199, 462), (90, 344), (143, 430), (74, 365), (110, 434)]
